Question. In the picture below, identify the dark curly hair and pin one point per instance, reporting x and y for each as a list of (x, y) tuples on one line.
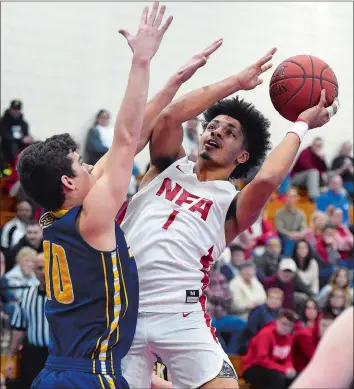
[(254, 128), (41, 167)]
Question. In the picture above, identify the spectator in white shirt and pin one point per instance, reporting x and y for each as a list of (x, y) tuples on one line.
[(247, 292), (15, 229), (308, 270)]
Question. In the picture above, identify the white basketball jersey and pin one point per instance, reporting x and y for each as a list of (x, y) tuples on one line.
[(175, 228)]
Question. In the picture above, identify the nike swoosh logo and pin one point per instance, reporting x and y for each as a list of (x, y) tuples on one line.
[(178, 167), (186, 314)]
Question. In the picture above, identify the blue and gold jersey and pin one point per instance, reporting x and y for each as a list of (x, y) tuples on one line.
[(92, 296)]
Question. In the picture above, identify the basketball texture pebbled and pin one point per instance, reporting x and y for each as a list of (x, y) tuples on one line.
[(297, 82)]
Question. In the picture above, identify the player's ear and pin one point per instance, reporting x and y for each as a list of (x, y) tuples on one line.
[(68, 182), (243, 157)]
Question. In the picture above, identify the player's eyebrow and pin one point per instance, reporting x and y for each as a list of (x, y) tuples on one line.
[(228, 124)]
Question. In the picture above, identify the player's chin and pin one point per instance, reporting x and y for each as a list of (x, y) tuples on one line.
[(205, 155)]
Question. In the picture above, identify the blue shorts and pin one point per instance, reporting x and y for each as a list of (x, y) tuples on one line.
[(76, 373)]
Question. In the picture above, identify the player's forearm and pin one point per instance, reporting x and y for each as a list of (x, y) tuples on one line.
[(194, 103), (17, 338), (129, 120), (277, 164), (155, 106)]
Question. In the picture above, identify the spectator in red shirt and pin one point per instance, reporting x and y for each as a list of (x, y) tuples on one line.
[(344, 237), (287, 280), (327, 245), (306, 341), (310, 169), (268, 362)]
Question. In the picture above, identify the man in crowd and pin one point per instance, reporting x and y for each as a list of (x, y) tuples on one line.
[(268, 362)]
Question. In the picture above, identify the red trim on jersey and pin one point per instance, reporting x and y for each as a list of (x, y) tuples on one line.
[(206, 262), (121, 213)]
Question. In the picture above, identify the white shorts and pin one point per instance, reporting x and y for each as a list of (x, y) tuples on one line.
[(186, 344)]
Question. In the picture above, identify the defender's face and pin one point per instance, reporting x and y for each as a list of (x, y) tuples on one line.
[(223, 142), (83, 181)]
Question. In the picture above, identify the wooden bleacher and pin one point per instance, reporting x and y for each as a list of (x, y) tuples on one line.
[(236, 360)]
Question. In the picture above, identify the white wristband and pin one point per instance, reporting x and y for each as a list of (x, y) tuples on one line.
[(300, 128)]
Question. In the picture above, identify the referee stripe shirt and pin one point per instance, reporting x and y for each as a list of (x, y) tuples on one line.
[(29, 316)]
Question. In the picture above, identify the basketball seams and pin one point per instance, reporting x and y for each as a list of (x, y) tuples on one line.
[(313, 80), (326, 67), (303, 77), (295, 93)]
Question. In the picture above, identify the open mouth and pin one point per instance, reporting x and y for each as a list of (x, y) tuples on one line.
[(212, 143)]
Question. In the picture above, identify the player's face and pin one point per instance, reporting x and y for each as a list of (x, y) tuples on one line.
[(82, 182), (223, 142)]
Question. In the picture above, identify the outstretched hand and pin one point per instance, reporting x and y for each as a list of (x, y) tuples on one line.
[(249, 77), (149, 36), (197, 61), (320, 114)]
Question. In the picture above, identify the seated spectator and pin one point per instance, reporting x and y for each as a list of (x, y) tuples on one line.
[(334, 196), (259, 317), (261, 230), (267, 264), (336, 302), (290, 222), (339, 279), (33, 238), (218, 286), (6, 298), (99, 138), (190, 136), (287, 280), (306, 264), (15, 229), (308, 314), (232, 268), (343, 165), (318, 221), (268, 362), (307, 339), (22, 275), (14, 132), (344, 237), (247, 292), (310, 169), (327, 245)]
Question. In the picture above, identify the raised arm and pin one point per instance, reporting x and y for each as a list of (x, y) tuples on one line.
[(160, 101), (255, 195), (109, 192), (167, 135)]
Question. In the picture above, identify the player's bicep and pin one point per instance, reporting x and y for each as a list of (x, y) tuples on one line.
[(250, 203), (166, 141)]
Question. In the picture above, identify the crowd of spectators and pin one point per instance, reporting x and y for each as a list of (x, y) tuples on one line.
[(274, 291)]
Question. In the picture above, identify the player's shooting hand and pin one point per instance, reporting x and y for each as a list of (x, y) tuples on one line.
[(319, 115), (197, 61), (249, 77), (146, 42)]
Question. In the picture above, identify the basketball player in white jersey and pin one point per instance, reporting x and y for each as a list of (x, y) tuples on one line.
[(186, 214)]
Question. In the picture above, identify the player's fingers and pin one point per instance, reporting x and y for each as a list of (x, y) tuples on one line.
[(322, 101), (152, 16), (160, 17), (144, 15), (266, 67), (266, 57), (165, 26), (213, 47), (259, 81), (333, 109), (125, 33)]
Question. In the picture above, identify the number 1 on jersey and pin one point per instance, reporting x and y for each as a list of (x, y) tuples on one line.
[(170, 219)]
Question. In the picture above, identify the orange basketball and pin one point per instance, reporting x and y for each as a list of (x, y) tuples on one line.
[(297, 82)]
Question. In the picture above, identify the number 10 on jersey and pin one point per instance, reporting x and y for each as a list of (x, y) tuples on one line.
[(55, 261)]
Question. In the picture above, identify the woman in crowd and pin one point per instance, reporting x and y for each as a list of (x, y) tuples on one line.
[(339, 279), (344, 237), (336, 302), (309, 314), (22, 275), (307, 266), (317, 222)]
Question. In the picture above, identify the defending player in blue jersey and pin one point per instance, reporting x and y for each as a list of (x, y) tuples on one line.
[(91, 276)]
